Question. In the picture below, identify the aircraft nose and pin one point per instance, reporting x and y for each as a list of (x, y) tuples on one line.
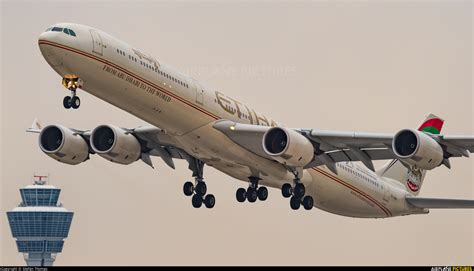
[(45, 42), (48, 36)]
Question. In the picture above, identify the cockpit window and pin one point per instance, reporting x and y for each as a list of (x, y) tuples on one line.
[(60, 29)]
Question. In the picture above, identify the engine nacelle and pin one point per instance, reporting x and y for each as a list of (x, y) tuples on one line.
[(418, 149), (288, 147), (115, 144), (63, 144)]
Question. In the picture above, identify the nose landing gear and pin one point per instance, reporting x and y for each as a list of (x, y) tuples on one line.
[(72, 82)]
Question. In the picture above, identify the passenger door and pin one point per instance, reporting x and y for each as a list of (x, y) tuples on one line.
[(97, 44), (199, 93), (386, 192)]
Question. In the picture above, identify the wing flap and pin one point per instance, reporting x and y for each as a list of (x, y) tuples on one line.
[(456, 143), (331, 140), (433, 203)]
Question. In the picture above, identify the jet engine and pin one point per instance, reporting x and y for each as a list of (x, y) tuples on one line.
[(115, 144), (418, 149), (63, 145), (288, 147)]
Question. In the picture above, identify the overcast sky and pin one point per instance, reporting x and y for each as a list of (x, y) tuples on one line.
[(375, 66)]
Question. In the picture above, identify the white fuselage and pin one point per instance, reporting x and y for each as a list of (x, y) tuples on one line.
[(162, 96)]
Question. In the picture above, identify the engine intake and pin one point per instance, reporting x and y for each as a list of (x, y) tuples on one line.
[(418, 149), (63, 145), (115, 144), (288, 147)]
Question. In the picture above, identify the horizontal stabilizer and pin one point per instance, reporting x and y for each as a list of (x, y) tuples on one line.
[(35, 126), (440, 203)]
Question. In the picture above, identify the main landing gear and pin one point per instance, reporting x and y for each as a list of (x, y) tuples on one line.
[(253, 192), (72, 82), (198, 189), (297, 194)]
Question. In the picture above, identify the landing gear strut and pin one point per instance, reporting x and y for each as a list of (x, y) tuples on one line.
[(72, 82), (297, 194), (253, 192), (198, 189)]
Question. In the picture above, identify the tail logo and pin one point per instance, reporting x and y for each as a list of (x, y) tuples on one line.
[(414, 179), (432, 124)]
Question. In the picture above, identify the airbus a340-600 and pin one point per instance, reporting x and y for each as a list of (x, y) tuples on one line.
[(332, 171)]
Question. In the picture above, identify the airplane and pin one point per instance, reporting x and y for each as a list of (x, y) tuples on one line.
[(328, 170)]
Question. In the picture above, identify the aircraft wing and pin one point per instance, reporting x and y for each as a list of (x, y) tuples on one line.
[(432, 203), (333, 146), (455, 143), (159, 143)]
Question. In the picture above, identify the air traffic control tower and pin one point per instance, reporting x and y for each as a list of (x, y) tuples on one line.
[(40, 224)]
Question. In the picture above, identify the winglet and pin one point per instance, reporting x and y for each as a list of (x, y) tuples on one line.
[(35, 126)]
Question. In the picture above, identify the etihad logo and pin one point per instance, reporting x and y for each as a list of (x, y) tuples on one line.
[(234, 107)]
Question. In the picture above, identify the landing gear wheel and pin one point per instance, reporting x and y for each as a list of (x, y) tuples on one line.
[(201, 188), (240, 194), (75, 102), (209, 201), (188, 188), (308, 202), (299, 190), (197, 201), (262, 193), (67, 102), (287, 190), (252, 194), (295, 203)]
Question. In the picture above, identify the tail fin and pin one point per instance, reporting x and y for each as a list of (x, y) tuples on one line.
[(410, 177), (432, 124)]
